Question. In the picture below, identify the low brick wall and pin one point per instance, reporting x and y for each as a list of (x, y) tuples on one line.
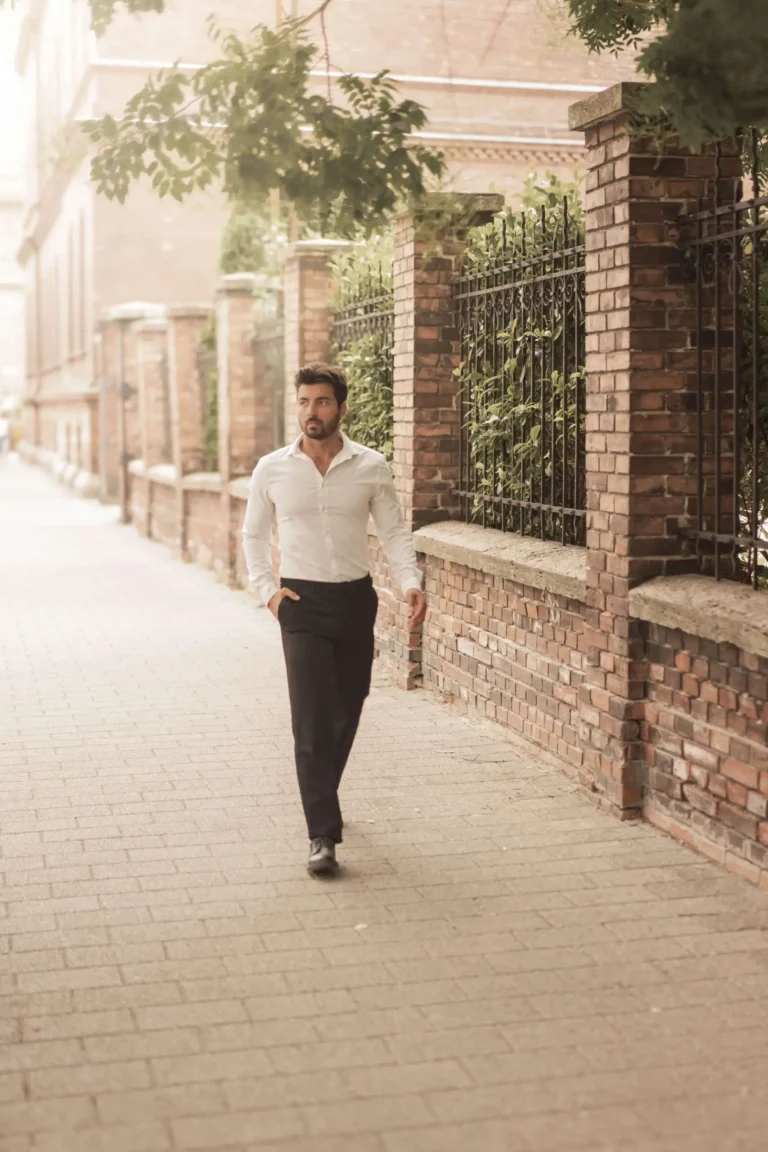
[(202, 508), (398, 651), (164, 524), (239, 497), (505, 632), (706, 716), (138, 496)]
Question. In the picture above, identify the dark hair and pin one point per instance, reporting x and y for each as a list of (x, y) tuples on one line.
[(324, 374)]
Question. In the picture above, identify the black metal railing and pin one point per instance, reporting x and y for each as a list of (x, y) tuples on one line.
[(367, 309), (520, 311), (725, 246), (363, 344)]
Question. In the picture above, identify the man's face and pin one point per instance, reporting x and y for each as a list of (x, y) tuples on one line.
[(319, 414)]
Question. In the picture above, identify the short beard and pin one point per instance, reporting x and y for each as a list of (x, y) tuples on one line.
[(323, 431)]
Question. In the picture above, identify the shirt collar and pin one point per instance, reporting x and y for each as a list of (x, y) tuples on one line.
[(348, 449)]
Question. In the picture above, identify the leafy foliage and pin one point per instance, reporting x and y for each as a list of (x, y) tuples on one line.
[(368, 364), (249, 120), (753, 419), (364, 268), (252, 240), (524, 415), (362, 287), (209, 383), (707, 58), (244, 241)]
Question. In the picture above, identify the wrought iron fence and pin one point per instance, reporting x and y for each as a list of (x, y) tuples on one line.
[(207, 380), (362, 342), (365, 309), (725, 245), (520, 309)]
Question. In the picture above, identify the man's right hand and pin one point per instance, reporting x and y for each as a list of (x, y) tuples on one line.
[(277, 599)]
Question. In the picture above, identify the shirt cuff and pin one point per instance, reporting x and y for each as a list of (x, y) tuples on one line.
[(265, 592), (413, 583)]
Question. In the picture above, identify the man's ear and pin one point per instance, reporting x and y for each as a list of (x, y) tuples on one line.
[(343, 410)]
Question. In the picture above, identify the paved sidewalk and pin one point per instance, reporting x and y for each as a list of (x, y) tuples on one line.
[(500, 968)]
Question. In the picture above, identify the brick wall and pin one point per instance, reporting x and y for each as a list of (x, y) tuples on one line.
[(138, 501), (507, 651), (398, 652), (706, 720), (164, 514), (201, 528)]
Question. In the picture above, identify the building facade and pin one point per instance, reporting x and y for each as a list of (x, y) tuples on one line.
[(11, 216), (496, 79)]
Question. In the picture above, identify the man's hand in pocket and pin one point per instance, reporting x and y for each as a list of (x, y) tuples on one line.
[(277, 599)]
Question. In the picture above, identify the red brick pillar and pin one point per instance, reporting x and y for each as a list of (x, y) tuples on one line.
[(428, 250), (106, 360), (187, 398), (186, 389), (640, 412), (307, 305), (240, 432), (120, 356), (151, 344), (152, 365)]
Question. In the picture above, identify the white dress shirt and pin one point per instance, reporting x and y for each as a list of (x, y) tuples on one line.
[(322, 521)]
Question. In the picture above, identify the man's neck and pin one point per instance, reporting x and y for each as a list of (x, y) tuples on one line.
[(322, 451)]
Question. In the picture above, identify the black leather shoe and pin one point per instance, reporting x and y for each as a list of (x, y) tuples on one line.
[(322, 856)]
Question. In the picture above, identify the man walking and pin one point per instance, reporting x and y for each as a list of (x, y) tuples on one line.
[(321, 492)]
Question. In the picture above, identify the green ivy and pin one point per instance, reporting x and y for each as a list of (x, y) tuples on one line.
[(361, 273), (364, 268), (210, 385), (752, 492), (521, 412), (368, 364)]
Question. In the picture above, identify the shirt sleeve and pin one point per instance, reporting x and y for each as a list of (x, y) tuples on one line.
[(394, 536), (257, 536)]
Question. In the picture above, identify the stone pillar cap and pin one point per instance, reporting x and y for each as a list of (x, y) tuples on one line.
[(459, 204), (189, 311), (153, 324), (237, 283), (135, 310), (321, 248), (603, 105), (262, 280)]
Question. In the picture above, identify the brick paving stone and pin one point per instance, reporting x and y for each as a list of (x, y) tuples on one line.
[(499, 966)]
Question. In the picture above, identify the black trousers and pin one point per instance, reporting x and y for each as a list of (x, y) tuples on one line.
[(328, 646)]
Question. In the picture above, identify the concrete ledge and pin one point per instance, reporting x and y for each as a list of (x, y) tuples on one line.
[(162, 474), (190, 311), (135, 310), (83, 483), (237, 284), (717, 610), (137, 468), (239, 488), (623, 97), (86, 484), (536, 563), (201, 482)]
